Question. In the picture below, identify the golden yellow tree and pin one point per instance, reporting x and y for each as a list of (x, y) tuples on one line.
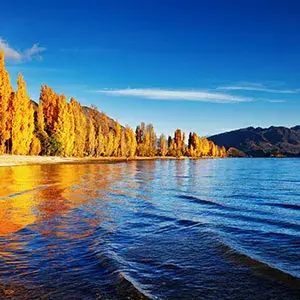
[(62, 124), (22, 120), (223, 152), (69, 131), (130, 141), (213, 149), (205, 147), (123, 145), (104, 124), (35, 146), (162, 145), (5, 95), (110, 143), (117, 140), (59, 122), (100, 144), (91, 138), (148, 145), (79, 128), (48, 101), (40, 131)]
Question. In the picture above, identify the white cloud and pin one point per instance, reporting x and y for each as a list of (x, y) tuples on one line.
[(189, 95), (258, 88), (20, 56), (34, 52), (275, 100), (10, 53)]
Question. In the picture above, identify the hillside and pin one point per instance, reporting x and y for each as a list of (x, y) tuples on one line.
[(87, 111), (98, 117), (261, 142)]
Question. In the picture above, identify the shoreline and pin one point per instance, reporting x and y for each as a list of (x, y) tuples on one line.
[(7, 160)]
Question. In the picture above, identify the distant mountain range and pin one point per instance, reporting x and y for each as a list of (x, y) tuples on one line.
[(262, 142)]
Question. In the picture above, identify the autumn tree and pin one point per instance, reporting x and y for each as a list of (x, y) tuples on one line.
[(139, 132), (64, 126), (223, 152), (22, 116), (59, 122), (205, 147), (169, 141), (79, 128), (5, 96), (117, 151), (162, 145), (91, 138), (213, 150), (69, 131), (131, 143), (35, 146), (179, 140), (47, 120), (104, 124), (110, 145), (40, 131), (149, 142), (177, 144)]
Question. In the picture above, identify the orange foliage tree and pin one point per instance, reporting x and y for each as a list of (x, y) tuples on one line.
[(5, 96), (22, 116)]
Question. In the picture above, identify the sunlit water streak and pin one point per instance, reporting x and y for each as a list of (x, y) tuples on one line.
[(206, 229)]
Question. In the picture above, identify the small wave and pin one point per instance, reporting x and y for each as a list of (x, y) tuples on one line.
[(188, 223), (20, 193), (283, 205), (198, 200), (113, 281), (249, 196), (242, 257), (277, 223), (150, 215), (127, 288)]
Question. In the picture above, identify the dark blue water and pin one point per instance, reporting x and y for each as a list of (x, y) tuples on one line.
[(202, 229)]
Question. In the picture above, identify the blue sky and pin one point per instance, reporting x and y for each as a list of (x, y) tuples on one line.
[(204, 66)]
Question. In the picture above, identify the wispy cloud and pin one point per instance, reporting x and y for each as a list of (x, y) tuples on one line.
[(188, 95), (275, 100), (18, 56), (258, 88)]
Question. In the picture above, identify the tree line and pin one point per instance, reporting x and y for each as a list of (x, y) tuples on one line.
[(59, 127)]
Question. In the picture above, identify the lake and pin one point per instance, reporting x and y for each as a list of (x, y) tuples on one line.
[(186, 229)]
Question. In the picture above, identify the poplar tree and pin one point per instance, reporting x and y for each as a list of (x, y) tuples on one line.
[(22, 120), (79, 128), (130, 142), (117, 141), (162, 145), (41, 134), (91, 138), (5, 96)]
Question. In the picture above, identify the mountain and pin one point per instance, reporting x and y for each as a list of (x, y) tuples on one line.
[(262, 142)]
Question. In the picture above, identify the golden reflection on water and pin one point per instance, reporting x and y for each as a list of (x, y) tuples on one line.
[(40, 195), (16, 189)]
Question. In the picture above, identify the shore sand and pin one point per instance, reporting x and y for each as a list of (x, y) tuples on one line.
[(18, 160)]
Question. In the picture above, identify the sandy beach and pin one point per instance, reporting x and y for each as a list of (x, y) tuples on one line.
[(15, 160), (18, 160)]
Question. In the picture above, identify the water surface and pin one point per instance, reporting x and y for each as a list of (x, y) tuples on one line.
[(204, 229)]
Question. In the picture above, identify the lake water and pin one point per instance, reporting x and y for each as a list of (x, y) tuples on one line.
[(191, 229)]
